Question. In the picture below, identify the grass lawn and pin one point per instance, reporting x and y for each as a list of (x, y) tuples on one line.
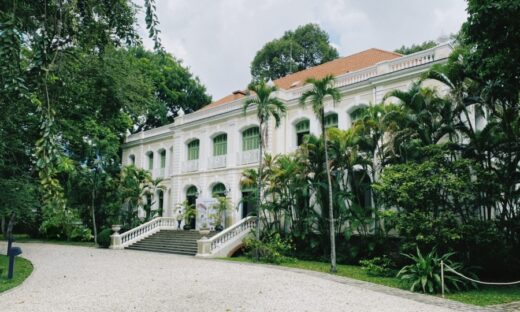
[(22, 269), (483, 296), (24, 238)]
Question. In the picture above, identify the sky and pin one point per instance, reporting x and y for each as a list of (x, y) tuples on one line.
[(218, 39)]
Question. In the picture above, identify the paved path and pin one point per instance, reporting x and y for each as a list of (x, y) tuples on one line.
[(69, 278)]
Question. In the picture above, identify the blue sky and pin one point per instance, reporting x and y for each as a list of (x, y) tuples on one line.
[(218, 39)]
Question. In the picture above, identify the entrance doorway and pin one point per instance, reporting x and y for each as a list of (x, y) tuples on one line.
[(248, 203), (191, 198)]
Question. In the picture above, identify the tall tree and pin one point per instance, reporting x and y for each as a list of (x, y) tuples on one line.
[(267, 106), (416, 47), (305, 47), (323, 89)]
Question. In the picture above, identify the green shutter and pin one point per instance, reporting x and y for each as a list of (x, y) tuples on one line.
[(193, 150), (303, 126), (220, 145), (331, 120), (150, 161), (250, 139), (218, 190), (191, 191), (163, 159)]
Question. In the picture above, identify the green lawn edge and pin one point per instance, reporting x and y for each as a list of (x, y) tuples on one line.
[(24, 238), (22, 270), (483, 296)]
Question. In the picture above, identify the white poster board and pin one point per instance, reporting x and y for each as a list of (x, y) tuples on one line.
[(204, 207)]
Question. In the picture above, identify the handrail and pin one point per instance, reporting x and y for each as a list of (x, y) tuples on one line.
[(209, 246), (129, 237)]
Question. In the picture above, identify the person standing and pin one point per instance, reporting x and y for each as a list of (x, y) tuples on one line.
[(179, 219)]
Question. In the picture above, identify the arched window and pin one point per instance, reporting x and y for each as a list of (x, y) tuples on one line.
[(331, 120), (250, 139), (219, 190), (302, 129), (160, 207), (193, 150), (220, 145), (150, 160), (356, 114), (162, 156), (191, 194), (131, 160)]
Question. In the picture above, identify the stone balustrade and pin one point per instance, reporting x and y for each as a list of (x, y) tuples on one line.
[(226, 242), (249, 157), (120, 241)]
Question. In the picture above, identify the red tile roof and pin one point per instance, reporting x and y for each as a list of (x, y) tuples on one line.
[(335, 67)]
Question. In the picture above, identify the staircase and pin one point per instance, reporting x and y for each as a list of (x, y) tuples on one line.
[(159, 235), (170, 241)]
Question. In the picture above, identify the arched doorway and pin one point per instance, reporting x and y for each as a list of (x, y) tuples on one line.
[(160, 203), (191, 197), (219, 190), (248, 201)]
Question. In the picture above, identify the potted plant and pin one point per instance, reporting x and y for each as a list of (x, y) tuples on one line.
[(189, 214), (204, 229), (221, 207)]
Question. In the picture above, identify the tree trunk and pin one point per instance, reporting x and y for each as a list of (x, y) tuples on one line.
[(93, 210), (259, 186), (331, 210)]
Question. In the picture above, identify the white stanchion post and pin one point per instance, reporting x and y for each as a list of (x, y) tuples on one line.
[(442, 278)]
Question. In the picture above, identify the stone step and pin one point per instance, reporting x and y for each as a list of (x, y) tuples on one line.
[(170, 241), (172, 251), (175, 245)]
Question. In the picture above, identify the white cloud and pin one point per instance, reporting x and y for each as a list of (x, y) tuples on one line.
[(218, 39)]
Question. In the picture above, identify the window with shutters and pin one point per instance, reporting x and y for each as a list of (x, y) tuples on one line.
[(302, 129), (220, 145), (250, 139), (331, 120), (193, 150)]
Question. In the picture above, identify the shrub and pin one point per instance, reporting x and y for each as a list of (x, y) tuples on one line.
[(424, 274), (272, 250), (103, 238), (378, 266)]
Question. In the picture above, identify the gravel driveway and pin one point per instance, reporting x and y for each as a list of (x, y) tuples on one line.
[(68, 278)]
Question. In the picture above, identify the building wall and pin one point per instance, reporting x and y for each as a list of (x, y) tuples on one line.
[(229, 118)]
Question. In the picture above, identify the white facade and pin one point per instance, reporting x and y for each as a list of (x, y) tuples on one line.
[(358, 88)]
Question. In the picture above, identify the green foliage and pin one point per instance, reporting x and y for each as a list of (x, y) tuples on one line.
[(104, 237), (416, 47), (22, 269), (378, 266), (305, 47), (221, 207), (424, 274), (491, 35), (272, 249)]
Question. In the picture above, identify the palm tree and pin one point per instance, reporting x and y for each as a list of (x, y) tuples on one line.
[(266, 106), (322, 88)]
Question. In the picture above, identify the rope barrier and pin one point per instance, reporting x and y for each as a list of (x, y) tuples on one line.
[(480, 282), (470, 279)]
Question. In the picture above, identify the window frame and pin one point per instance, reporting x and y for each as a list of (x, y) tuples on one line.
[(251, 139), (220, 145), (193, 149)]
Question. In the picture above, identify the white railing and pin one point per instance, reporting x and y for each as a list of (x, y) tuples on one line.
[(191, 165), (120, 241), (226, 241), (412, 60), (249, 157), (356, 76), (217, 162)]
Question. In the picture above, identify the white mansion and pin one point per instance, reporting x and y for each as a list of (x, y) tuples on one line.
[(204, 153)]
